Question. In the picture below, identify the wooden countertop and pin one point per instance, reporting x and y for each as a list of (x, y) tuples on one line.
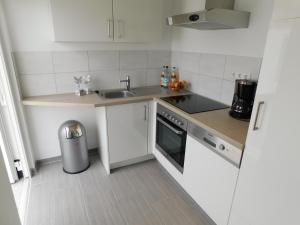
[(217, 122), (93, 100)]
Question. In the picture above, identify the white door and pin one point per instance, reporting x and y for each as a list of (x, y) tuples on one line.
[(138, 20), (82, 20), (268, 190), (127, 131), (210, 180)]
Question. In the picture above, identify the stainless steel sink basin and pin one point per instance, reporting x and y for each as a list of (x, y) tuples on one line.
[(117, 94), (134, 92)]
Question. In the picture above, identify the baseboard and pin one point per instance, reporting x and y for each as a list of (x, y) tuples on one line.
[(131, 161), (42, 162)]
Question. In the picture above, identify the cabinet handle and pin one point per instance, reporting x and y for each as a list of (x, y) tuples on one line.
[(260, 104), (145, 112), (119, 29), (109, 28)]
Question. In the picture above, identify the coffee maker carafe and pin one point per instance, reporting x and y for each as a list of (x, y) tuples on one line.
[(243, 99)]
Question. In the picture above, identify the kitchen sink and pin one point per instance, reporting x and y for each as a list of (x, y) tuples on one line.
[(117, 94), (134, 92)]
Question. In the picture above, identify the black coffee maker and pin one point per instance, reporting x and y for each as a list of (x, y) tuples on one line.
[(243, 99)]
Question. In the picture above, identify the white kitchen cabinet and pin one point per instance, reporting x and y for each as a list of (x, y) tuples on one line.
[(137, 20), (107, 20), (127, 129), (269, 182), (82, 20), (286, 9), (210, 180)]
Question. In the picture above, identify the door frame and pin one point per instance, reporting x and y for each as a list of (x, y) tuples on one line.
[(14, 99)]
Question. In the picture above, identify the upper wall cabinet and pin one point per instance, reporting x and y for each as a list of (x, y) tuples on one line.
[(82, 20), (107, 20), (137, 20), (286, 9)]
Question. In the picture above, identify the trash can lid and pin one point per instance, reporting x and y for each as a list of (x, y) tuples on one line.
[(71, 129)]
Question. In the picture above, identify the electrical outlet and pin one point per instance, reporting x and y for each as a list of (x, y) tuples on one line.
[(241, 75)]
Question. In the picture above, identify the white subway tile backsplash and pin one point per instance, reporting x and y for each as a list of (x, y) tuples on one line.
[(190, 62), (65, 82), (137, 77), (133, 60), (242, 64), (157, 59), (153, 77), (209, 74), (103, 60), (209, 86), (176, 59), (76, 61), (227, 92), (106, 79), (28, 63), (212, 65), (191, 78), (33, 85)]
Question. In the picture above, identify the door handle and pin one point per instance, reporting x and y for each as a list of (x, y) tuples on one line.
[(255, 126), (179, 132)]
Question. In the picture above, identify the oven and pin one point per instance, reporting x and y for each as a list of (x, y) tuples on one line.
[(171, 132)]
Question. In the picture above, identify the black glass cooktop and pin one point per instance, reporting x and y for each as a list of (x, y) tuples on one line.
[(194, 103)]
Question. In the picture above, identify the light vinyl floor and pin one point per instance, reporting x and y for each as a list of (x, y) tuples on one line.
[(142, 194)]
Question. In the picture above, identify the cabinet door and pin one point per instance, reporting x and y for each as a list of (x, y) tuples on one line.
[(210, 180), (82, 20), (127, 131), (286, 9), (269, 181), (138, 20)]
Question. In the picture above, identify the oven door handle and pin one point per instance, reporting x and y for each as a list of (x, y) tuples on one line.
[(179, 132)]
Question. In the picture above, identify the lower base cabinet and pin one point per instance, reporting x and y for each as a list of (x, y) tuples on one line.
[(127, 127), (210, 180), (124, 134)]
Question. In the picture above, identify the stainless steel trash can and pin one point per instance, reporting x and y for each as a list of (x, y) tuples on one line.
[(73, 145)]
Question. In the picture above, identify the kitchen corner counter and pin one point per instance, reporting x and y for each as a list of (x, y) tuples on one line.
[(218, 122), (93, 100)]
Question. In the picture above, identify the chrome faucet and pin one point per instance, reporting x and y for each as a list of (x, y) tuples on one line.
[(127, 81)]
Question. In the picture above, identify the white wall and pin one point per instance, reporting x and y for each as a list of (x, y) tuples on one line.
[(43, 124), (243, 42), (8, 210)]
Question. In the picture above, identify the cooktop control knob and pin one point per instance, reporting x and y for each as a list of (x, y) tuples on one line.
[(222, 147)]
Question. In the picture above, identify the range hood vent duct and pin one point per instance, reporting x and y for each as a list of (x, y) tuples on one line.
[(218, 14)]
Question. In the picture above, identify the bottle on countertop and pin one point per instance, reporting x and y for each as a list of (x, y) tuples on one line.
[(162, 78), (165, 76)]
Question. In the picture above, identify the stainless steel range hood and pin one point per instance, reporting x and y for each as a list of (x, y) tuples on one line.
[(218, 14)]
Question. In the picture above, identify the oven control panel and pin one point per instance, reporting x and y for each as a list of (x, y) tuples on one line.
[(226, 150), (172, 117)]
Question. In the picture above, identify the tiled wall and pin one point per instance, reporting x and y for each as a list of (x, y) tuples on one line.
[(211, 75), (43, 73)]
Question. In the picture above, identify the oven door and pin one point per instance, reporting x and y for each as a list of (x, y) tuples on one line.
[(171, 141)]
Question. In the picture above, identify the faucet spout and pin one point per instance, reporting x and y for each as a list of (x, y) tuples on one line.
[(127, 82)]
